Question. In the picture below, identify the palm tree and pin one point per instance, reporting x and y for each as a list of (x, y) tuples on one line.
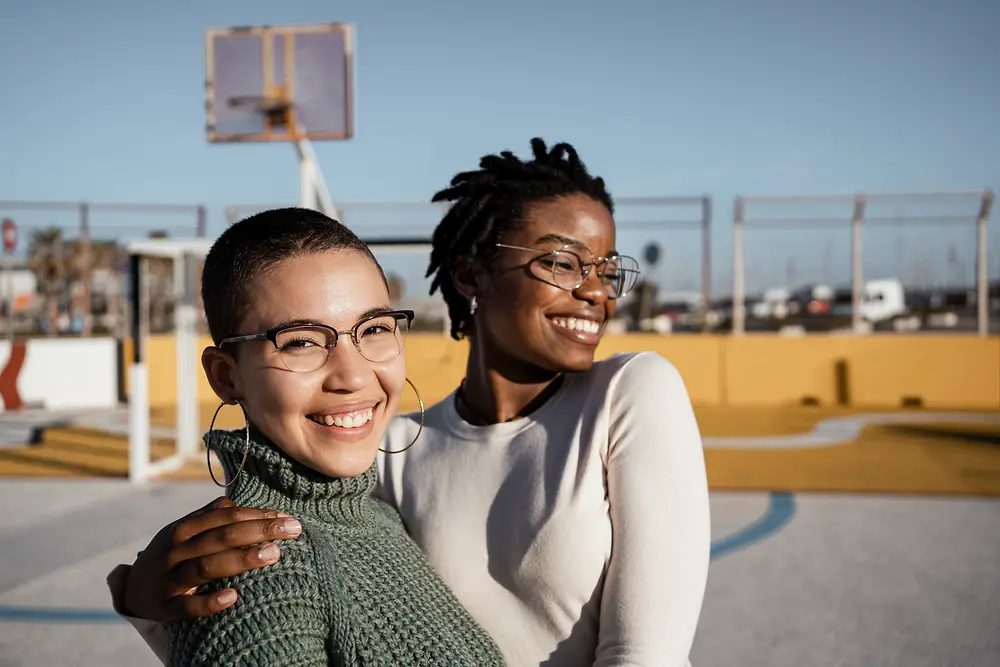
[(108, 260), (160, 279), (47, 259)]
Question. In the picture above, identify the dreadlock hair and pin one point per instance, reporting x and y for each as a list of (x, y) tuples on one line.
[(247, 250), (491, 201)]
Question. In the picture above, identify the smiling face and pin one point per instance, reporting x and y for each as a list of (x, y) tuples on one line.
[(330, 419), (526, 318)]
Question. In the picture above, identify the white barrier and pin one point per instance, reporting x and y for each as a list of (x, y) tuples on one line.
[(61, 373)]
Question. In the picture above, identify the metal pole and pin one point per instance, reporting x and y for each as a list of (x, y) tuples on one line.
[(857, 276), (86, 267), (185, 341), (8, 275), (739, 286), (307, 198), (706, 252), (982, 276), (313, 193), (138, 400), (202, 222)]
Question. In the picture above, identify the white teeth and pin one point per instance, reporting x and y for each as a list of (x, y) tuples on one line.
[(574, 324), (352, 420)]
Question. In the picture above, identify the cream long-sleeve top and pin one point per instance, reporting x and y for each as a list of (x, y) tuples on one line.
[(578, 535)]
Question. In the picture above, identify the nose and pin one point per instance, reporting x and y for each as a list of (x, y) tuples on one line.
[(593, 290), (346, 370)]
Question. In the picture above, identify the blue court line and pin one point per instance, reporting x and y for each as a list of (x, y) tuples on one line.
[(780, 512), (57, 615)]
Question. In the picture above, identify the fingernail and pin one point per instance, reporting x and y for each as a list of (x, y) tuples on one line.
[(268, 553), (283, 515), (291, 527), (227, 596)]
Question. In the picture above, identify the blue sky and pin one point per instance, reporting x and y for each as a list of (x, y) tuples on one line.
[(104, 101)]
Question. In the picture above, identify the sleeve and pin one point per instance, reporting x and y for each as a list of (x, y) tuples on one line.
[(153, 633), (661, 533), (281, 619)]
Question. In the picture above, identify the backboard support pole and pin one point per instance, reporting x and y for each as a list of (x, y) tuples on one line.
[(313, 193)]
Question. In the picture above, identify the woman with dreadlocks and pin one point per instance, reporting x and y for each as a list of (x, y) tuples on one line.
[(563, 500)]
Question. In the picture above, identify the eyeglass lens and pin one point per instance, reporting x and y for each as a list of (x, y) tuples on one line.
[(306, 348)]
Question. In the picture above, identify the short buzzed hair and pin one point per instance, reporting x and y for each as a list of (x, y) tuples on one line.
[(254, 245)]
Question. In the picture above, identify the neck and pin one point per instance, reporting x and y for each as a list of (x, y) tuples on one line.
[(496, 391), (272, 479)]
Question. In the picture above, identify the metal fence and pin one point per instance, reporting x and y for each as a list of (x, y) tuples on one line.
[(813, 263), (906, 261), (676, 229)]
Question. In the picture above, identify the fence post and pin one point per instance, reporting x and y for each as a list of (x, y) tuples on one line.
[(857, 273), (739, 285), (202, 221), (86, 266), (706, 252), (982, 275)]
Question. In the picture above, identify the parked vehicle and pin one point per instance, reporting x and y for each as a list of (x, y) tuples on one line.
[(882, 300)]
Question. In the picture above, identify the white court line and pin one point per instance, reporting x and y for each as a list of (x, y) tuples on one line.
[(842, 430)]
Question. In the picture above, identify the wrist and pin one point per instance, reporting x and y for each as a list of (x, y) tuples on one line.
[(118, 586)]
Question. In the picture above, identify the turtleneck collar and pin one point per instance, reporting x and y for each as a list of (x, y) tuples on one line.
[(271, 479)]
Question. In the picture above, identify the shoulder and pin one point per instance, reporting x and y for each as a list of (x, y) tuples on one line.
[(296, 567), (287, 593), (647, 399), (635, 374)]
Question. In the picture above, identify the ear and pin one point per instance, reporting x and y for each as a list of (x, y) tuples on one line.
[(220, 369), (463, 275)]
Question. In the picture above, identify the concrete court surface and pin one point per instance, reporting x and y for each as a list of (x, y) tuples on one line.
[(796, 580)]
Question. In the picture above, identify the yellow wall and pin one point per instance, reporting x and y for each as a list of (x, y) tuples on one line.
[(946, 372)]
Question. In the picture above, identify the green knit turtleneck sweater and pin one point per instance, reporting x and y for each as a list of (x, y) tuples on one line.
[(352, 589)]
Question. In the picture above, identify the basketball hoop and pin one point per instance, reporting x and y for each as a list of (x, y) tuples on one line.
[(275, 109), (297, 95)]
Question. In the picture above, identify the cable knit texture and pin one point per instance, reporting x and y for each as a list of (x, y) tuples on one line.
[(352, 589)]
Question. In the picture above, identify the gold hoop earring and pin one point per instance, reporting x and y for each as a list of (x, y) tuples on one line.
[(246, 448), (420, 430)]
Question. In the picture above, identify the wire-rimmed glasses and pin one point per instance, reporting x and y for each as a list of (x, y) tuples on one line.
[(569, 267), (304, 347)]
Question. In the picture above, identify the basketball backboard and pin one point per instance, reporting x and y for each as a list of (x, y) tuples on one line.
[(279, 83)]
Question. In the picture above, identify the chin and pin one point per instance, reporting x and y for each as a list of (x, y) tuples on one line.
[(568, 359), (577, 365), (343, 464)]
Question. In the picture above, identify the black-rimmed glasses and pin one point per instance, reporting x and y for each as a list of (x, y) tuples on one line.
[(306, 347), (567, 268)]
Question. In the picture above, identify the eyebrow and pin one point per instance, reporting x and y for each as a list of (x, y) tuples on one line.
[(556, 238), (371, 312), (566, 240)]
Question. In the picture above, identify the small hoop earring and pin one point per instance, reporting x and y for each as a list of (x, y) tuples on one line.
[(473, 306), (246, 448), (420, 430)]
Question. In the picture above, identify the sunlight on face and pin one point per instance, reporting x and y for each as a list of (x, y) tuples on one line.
[(534, 322), (330, 419)]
